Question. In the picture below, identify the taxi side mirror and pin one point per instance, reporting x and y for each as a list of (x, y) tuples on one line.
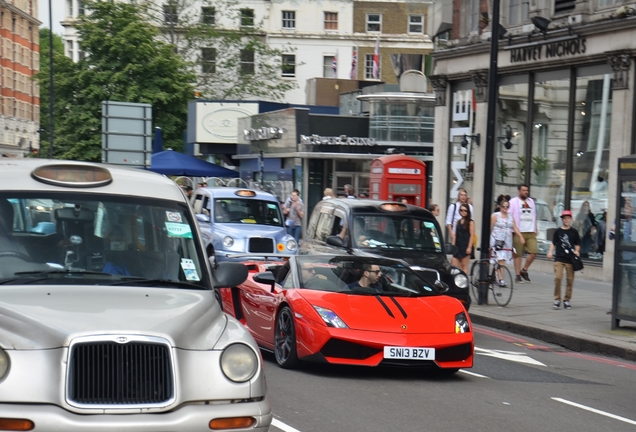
[(229, 274), (202, 218), (266, 278), (337, 241)]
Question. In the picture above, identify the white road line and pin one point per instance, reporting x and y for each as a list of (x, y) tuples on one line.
[(508, 355), (473, 374), (603, 413), (282, 426)]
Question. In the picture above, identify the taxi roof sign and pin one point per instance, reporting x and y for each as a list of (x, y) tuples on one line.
[(245, 193), (79, 176)]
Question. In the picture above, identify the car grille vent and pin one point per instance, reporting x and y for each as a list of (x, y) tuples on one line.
[(109, 373), (454, 353), (343, 349), (259, 244)]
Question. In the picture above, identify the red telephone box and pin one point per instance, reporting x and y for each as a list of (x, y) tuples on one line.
[(394, 177)]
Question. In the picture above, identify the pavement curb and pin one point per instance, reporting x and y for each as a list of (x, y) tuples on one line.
[(569, 341)]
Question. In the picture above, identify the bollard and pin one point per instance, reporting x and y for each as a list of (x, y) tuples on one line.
[(484, 282)]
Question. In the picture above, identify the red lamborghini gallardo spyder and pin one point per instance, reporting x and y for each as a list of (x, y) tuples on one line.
[(351, 310)]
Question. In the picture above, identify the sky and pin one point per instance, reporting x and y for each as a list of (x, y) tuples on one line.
[(58, 14)]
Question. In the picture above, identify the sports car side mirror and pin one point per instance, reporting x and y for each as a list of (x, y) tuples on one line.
[(265, 278), (229, 274), (450, 249)]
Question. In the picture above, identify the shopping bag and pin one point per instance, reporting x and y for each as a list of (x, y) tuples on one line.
[(577, 263)]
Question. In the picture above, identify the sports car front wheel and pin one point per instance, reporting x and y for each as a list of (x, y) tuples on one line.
[(285, 339)]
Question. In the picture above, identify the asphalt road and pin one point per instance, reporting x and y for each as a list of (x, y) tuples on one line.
[(517, 384)]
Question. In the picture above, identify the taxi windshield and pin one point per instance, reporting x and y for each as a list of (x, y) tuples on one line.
[(247, 211), (354, 275), (405, 232), (105, 238)]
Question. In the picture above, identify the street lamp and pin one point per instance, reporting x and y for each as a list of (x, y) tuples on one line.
[(491, 139)]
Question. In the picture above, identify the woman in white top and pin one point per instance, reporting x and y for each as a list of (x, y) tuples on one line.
[(502, 227)]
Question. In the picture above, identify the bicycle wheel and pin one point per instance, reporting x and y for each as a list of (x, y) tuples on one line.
[(502, 289), (474, 278)]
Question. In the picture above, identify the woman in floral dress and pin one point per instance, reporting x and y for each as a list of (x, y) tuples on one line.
[(502, 227)]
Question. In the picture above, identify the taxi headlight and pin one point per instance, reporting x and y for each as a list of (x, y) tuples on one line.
[(461, 280), (4, 363), (461, 323), (239, 362), (228, 241), (291, 245), (330, 318)]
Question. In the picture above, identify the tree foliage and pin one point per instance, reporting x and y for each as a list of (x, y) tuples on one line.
[(124, 62), (238, 63)]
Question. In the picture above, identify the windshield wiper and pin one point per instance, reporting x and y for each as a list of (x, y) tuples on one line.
[(139, 281)]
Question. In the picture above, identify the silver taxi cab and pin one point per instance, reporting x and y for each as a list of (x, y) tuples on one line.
[(236, 221), (108, 313)]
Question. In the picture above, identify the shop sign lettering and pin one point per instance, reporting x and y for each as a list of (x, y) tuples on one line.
[(336, 140), (548, 50), (264, 133), (414, 171)]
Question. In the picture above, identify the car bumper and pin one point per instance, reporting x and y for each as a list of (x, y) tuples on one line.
[(358, 347), (193, 418)]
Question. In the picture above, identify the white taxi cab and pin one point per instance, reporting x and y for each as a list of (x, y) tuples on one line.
[(108, 314)]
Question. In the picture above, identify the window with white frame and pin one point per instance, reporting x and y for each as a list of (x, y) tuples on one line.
[(289, 19), (518, 12), (247, 17), (416, 24), (169, 14), (208, 60), (331, 20), (69, 48), (208, 15), (69, 6), (368, 67), (80, 8), (247, 62), (327, 67), (289, 65), (374, 23)]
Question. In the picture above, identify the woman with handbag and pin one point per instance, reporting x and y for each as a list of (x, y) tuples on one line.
[(502, 227), (567, 243)]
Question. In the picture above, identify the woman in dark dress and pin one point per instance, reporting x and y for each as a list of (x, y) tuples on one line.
[(464, 235), (585, 224)]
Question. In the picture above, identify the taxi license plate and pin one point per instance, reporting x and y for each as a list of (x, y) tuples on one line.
[(410, 353)]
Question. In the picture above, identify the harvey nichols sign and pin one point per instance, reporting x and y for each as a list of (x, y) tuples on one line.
[(549, 50)]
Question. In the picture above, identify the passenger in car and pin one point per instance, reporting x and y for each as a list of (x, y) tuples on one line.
[(370, 278)]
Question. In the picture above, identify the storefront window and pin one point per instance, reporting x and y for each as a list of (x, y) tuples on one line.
[(592, 120), (402, 121)]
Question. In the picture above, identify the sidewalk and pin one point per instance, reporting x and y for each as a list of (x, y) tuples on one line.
[(586, 327)]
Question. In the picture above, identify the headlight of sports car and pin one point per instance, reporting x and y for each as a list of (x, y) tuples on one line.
[(4, 363), (291, 245), (239, 363), (330, 318), (460, 279), (228, 241), (461, 323)]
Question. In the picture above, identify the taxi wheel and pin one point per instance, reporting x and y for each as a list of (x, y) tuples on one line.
[(285, 339)]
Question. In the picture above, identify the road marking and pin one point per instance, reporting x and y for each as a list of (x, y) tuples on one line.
[(473, 374), (508, 355), (282, 426), (594, 410)]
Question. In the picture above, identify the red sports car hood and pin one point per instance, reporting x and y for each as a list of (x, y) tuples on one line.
[(434, 314)]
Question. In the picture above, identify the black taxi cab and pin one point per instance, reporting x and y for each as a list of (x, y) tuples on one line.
[(386, 229)]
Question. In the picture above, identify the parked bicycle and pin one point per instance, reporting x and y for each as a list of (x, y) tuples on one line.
[(500, 280)]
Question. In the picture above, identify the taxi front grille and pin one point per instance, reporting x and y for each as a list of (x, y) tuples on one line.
[(259, 244), (109, 373)]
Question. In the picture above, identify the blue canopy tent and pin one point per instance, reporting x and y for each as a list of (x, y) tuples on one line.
[(170, 162)]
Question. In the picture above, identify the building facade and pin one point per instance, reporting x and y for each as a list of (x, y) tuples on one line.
[(564, 110), (19, 54)]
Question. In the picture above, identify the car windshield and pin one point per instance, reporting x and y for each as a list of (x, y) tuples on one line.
[(397, 232), (362, 276), (247, 211), (57, 238)]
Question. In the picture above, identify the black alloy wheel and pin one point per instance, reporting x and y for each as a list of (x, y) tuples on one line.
[(285, 339)]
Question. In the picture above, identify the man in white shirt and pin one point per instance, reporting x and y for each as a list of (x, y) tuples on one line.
[(524, 212), (453, 215)]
